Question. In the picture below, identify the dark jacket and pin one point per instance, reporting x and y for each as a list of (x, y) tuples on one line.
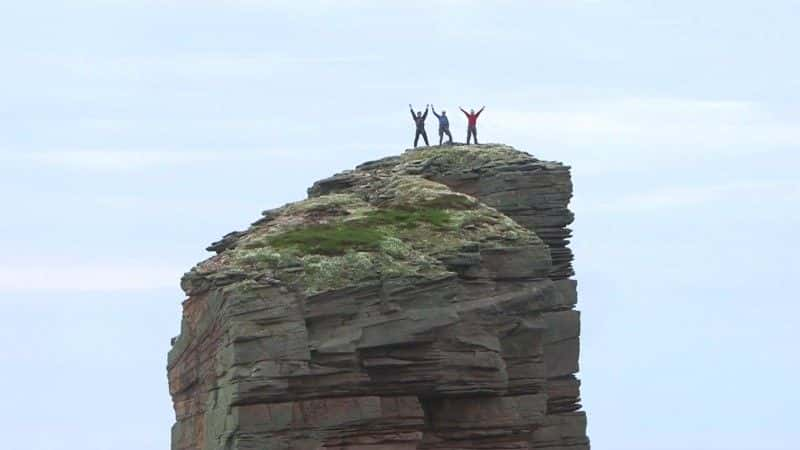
[(420, 121)]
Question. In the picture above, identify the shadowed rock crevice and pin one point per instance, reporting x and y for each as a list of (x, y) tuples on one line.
[(421, 301)]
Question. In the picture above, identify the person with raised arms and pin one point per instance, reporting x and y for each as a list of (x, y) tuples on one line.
[(472, 123), (444, 125), (419, 120)]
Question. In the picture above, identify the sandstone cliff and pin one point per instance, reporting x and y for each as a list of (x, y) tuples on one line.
[(421, 301)]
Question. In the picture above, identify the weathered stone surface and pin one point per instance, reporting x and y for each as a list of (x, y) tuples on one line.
[(421, 301)]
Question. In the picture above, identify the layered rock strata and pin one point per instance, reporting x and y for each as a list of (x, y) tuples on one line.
[(422, 301)]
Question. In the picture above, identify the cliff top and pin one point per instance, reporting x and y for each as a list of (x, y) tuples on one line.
[(390, 219)]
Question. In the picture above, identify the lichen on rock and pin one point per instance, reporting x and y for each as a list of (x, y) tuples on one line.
[(409, 227)]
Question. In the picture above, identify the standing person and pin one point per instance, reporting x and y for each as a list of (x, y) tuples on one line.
[(472, 122), (419, 120), (444, 125)]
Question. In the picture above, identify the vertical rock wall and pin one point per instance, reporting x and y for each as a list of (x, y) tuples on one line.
[(481, 354)]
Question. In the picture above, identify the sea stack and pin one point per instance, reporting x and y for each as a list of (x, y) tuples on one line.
[(421, 301)]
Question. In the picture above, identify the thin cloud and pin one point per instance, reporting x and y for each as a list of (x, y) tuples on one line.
[(678, 125), (134, 160), (691, 196), (196, 66), (104, 160), (87, 278)]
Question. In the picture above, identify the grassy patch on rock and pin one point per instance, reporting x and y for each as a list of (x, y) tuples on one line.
[(328, 239), (361, 234)]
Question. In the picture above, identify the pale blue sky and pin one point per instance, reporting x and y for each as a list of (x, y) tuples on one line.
[(134, 133)]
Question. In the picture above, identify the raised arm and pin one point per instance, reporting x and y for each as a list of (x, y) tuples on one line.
[(479, 111), (425, 114), (462, 110), (411, 108), (433, 110)]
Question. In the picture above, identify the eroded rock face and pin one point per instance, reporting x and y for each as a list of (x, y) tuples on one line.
[(422, 301)]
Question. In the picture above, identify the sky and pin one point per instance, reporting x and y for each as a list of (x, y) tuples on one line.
[(135, 133)]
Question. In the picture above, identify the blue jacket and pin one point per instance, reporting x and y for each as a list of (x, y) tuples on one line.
[(443, 122)]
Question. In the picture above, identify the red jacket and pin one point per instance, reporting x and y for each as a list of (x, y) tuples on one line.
[(472, 119)]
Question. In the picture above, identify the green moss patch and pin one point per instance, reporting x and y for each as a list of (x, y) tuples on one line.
[(328, 239), (360, 234)]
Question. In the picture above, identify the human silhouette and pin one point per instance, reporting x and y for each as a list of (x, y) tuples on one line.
[(472, 122), (419, 120), (444, 125)]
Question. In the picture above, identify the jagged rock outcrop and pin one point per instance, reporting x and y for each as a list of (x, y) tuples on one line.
[(421, 301)]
